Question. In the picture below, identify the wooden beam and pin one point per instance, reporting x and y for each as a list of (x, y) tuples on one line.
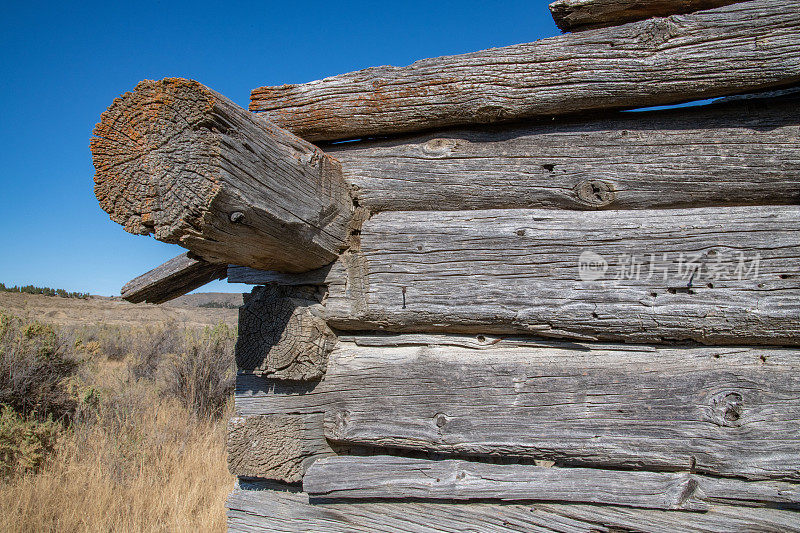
[(652, 62), (295, 512), (386, 476), (176, 277), (745, 152), (578, 15), (278, 447), (282, 335), (240, 274), (282, 437), (710, 275), (182, 162), (726, 411)]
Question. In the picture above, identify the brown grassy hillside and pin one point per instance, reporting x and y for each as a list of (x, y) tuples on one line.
[(113, 415)]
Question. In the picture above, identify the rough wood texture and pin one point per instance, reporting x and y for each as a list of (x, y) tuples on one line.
[(274, 447), (176, 277), (289, 512), (397, 477), (710, 275), (281, 334), (653, 62), (385, 476), (745, 152), (727, 411), (182, 162), (240, 274), (577, 15)]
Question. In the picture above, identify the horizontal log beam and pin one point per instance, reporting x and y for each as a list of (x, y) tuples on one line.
[(744, 152), (182, 162), (176, 277), (725, 411), (718, 411), (295, 512), (578, 15), (652, 62), (709, 275), (385, 476)]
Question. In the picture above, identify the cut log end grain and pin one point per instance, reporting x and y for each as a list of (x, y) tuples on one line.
[(141, 138), (181, 162)]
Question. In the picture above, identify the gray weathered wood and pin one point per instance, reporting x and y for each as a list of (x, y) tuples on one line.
[(278, 447), (728, 411), (282, 436), (240, 274), (289, 512), (578, 15), (281, 334), (517, 271), (652, 62), (176, 277), (385, 476), (745, 152), (182, 162)]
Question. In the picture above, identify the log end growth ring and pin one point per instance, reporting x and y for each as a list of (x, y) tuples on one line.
[(154, 156), (181, 162)]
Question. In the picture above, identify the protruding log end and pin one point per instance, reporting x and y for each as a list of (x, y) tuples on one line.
[(281, 336), (181, 162), (178, 276), (141, 139)]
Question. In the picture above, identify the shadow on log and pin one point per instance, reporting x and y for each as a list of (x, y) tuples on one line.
[(281, 334)]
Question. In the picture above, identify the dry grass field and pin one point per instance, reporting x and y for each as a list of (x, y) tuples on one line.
[(113, 415)]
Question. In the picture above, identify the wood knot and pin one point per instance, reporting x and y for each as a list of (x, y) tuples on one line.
[(440, 419), (491, 113), (595, 193), (237, 217), (439, 147), (341, 421), (726, 409)]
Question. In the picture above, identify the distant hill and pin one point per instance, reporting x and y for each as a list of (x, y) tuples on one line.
[(186, 311), (208, 299)]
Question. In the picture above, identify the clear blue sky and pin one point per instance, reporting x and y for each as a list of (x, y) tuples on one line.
[(63, 63)]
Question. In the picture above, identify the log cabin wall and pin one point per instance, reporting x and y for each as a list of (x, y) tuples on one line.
[(509, 303)]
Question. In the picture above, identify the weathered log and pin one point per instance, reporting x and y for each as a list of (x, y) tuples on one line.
[(727, 411), (282, 437), (279, 447), (578, 15), (710, 275), (176, 277), (652, 62), (745, 152), (385, 476), (240, 274), (281, 334), (182, 162), (294, 512)]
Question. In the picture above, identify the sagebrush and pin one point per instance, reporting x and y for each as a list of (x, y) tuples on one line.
[(107, 428)]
